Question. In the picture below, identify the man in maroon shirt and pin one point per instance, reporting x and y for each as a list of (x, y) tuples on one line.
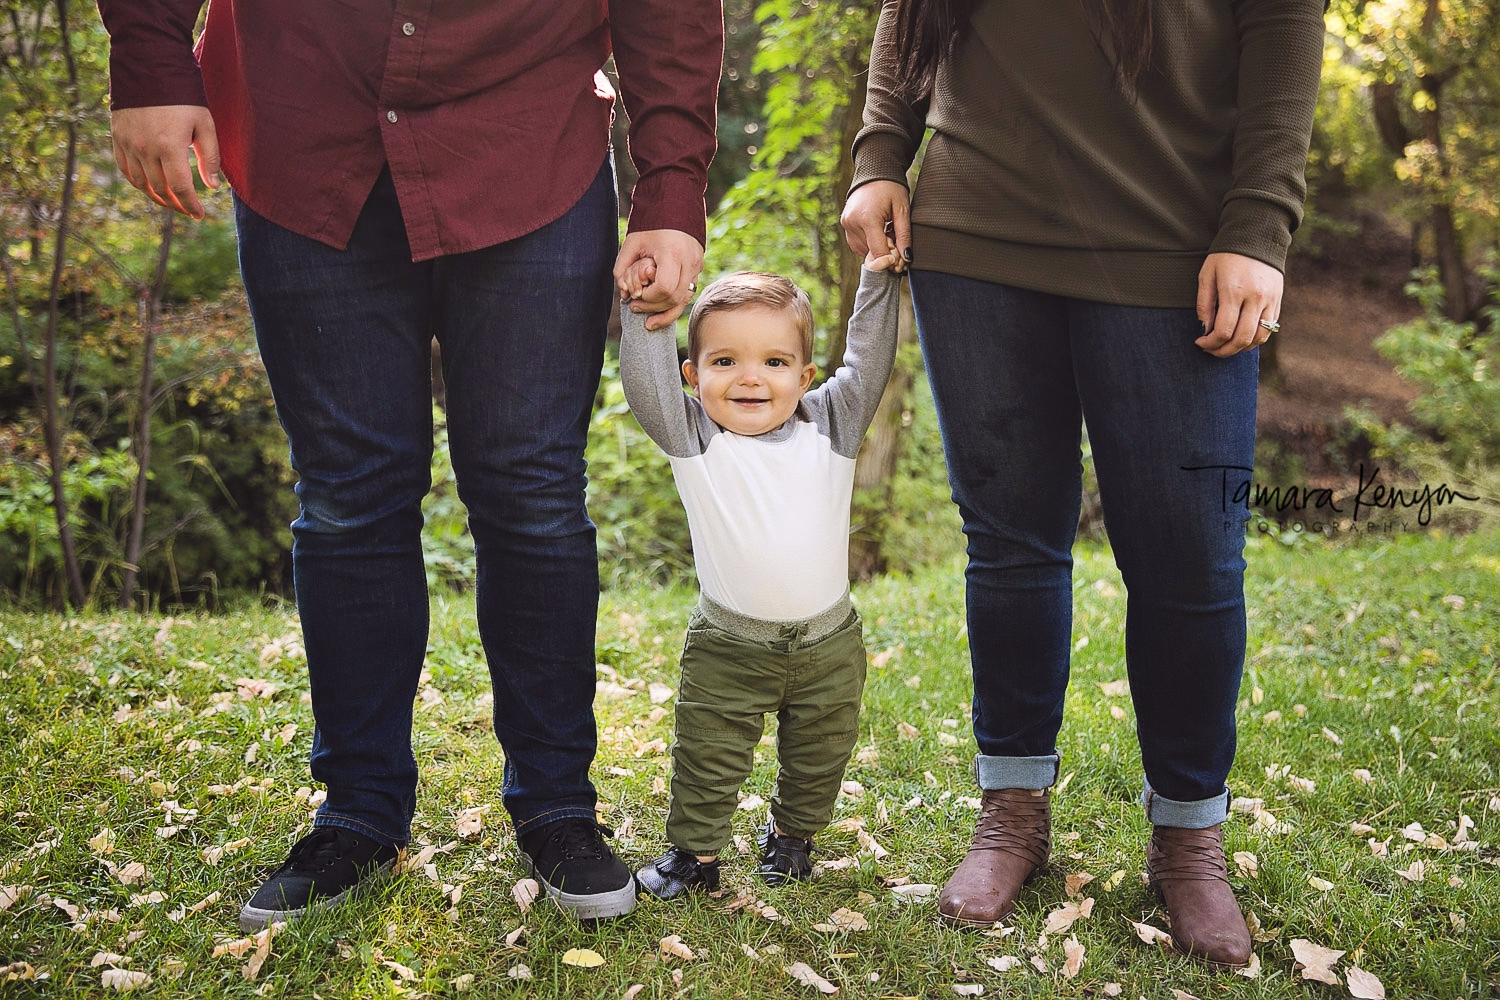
[(402, 170)]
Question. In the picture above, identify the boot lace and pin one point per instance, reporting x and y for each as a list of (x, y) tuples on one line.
[(1194, 855), (1017, 824)]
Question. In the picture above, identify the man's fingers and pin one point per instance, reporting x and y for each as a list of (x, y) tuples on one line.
[(206, 146), (179, 179), (662, 319), (1208, 297), (901, 215)]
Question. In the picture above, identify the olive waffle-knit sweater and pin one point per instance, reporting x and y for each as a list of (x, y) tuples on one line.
[(1044, 173)]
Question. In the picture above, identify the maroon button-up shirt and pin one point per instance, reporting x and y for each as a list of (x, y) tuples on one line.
[(492, 114)]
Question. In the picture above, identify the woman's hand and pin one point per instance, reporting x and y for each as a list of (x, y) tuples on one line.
[(1237, 296), (869, 208)]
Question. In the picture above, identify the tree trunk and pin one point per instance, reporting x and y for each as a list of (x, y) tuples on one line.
[(150, 313), (51, 429), (1447, 244), (875, 468), (849, 261)]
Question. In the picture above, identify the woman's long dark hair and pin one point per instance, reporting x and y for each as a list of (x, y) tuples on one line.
[(927, 32)]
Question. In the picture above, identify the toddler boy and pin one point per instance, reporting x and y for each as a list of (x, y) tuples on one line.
[(765, 469)]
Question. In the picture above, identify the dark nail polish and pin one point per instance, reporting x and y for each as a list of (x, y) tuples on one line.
[(906, 254)]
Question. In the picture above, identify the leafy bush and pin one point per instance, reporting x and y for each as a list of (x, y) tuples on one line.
[(1457, 409)]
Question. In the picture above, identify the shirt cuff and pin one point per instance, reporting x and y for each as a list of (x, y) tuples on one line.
[(669, 200), (134, 83), (880, 156), (1254, 228)]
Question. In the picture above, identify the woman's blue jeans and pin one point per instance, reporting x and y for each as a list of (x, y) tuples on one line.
[(1172, 429), (346, 340)]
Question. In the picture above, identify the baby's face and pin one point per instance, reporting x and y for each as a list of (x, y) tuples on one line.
[(749, 373)]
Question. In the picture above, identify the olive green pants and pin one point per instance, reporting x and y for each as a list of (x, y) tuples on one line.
[(728, 685)]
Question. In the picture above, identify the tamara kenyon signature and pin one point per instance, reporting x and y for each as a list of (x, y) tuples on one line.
[(1371, 496)]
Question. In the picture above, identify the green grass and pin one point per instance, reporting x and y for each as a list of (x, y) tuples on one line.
[(1365, 652)]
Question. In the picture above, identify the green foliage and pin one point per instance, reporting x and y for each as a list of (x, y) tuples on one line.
[(643, 529), (783, 215), (1443, 59), (1455, 367)]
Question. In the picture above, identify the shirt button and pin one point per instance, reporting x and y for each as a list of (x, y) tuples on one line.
[(408, 28), (390, 116)]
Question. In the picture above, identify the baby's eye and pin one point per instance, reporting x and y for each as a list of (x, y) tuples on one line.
[(777, 362), (723, 362)]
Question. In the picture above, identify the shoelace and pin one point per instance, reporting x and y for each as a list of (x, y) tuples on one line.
[(581, 839), (1015, 824), (1188, 854), (316, 852)]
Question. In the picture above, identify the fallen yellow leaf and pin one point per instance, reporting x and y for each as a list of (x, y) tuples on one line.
[(583, 958)]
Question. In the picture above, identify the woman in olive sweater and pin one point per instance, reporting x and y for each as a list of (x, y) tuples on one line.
[(1098, 233)]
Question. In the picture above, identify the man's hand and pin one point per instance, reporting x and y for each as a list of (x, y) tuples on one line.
[(1235, 293), (151, 146), (870, 208), (677, 260)]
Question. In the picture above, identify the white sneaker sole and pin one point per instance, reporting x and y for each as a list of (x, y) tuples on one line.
[(253, 918), (590, 906)]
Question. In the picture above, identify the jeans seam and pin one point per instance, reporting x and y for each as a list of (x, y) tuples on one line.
[(354, 823)]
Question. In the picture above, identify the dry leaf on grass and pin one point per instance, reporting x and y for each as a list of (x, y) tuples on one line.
[(10, 895), (16, 972), (1073, 884), (1152, 935), (1004, 963), (102, 842), (1113, 882), (1182, 995), (124, 980), (1063, 917), (1247, 864), (843, 919), (262, 952), (1364, 985), (1040, 964), (513, 939), (519, 972), (403, 972), (915, 892), (804, 974), (673, 946), (213, 855), (1251, 969), (630, 994), (583, 958), (907, 731), (659, 693), (1416, 873), (470, 822), (870, 845), (525, 893), (1073, 955), (1320, 884), (968, 989), (463, 982), (1114, 689), (132, 873), (1316, 961), (107, 958), (1112, 989)]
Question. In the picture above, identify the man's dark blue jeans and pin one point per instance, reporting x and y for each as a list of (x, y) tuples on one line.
[(1014, 373), (345, 336)]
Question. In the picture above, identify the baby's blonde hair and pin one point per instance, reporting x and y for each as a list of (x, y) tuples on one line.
[(745, 289)]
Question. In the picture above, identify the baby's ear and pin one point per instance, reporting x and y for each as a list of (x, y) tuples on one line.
[(690, 373), (809, 372)]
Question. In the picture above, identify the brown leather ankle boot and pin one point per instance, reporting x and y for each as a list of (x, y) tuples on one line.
[(1187, 869), (1011, 841)]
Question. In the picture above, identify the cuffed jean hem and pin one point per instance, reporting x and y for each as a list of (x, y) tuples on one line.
[(525, 826), (1031, 773), (1198, 815), (350, 823)]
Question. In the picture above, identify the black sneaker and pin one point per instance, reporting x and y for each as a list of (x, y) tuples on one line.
[(326, 867), (783, 859), (573, 863), (676, 872)]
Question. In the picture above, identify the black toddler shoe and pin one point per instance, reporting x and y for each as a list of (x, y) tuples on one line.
[(677, 872), (783, 859)]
